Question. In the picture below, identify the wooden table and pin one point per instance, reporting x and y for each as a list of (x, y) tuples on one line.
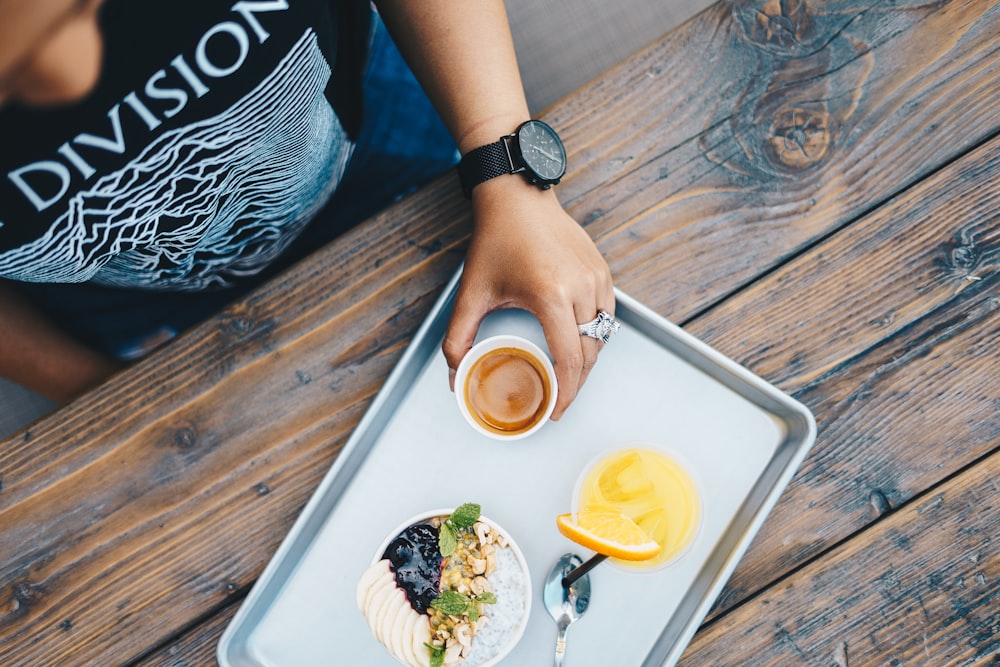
[(811, 188)]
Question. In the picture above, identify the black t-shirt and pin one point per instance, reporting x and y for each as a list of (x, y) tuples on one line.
[(215, 134)]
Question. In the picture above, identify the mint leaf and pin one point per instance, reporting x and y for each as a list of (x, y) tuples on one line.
[(486, 597), (466, 515), (447, 539), (437, 655), (473, 613), (452, 603)]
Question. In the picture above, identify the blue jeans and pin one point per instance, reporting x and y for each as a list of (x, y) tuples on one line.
[(402, 145)]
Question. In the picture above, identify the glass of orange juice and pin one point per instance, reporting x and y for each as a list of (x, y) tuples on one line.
[(650, 487)]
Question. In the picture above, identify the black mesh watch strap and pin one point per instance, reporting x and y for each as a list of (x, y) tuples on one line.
[(482, 164)]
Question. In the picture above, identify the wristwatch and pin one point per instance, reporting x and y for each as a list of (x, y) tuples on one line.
[(534, 150)]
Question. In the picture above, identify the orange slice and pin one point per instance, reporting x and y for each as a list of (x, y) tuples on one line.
[(608, 532)]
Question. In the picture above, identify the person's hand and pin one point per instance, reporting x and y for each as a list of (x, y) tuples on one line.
[(527, 252)]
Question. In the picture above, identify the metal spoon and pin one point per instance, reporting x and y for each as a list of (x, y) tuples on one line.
[(565, 604)]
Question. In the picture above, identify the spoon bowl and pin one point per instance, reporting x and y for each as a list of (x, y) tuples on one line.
[(565, 604)]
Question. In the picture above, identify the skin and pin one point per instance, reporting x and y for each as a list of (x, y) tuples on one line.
[(526, 251), (50, 50), (50, 53)]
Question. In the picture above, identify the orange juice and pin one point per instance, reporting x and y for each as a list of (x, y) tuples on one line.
[(653, 490)]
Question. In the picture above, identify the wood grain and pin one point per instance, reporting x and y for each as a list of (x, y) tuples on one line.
[(919, 588), (888, 331), (195, 648), (138, 510), (760, 127)]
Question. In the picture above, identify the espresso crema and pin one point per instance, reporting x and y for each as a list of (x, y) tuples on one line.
[(507, 391)]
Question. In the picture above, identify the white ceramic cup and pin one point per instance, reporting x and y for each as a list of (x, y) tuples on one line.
[(483, 348)]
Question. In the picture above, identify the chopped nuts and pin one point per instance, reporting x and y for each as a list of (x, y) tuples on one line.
[(479, 585), (482, 532), (491, 564), (463, 634), (478, 564), (466, 572), (453, 654)]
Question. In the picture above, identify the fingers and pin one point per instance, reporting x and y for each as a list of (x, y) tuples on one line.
[(567, 350), (573, 354), (466, 315), (560, 313), (528, 253), (591, 347)]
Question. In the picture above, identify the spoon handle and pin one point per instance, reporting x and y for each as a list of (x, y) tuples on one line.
[(561, 641)]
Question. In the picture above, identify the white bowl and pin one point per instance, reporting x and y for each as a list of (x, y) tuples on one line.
[(518, 631)]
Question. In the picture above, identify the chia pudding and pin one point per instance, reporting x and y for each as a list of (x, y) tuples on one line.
[(447, 589)]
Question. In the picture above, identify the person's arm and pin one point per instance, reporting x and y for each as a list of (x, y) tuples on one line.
[(526, 252), (37, 355)]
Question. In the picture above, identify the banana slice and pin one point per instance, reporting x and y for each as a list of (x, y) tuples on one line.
[(394, 609), (380, 588), (382, 600), (381, 584), (421, 636), (406, 639), (396, 627), (370, 578), (401, 630)]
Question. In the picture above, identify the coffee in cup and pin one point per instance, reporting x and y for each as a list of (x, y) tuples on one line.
[(506, 387)]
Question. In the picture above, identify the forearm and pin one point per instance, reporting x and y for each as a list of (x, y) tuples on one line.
[(37, 355), (463, 55), (525, 251)]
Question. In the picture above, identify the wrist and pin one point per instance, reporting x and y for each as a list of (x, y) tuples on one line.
[(533, 150), (509, 188), (509, 199), (488, 130)]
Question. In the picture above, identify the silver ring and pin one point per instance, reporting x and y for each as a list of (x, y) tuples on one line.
[(602, 327)]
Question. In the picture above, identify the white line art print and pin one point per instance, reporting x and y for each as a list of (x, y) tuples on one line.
[(207, 202)]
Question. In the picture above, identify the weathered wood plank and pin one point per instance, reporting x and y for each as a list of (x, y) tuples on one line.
[(140, 518), (888, 331), (919, 588), (759, 127), (195, 648)]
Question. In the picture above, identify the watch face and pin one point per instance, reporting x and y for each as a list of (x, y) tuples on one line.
[(542, 150)]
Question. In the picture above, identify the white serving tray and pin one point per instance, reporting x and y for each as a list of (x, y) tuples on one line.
[(654, 386)]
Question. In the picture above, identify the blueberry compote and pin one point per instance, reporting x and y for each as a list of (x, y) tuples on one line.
[(416, 561)]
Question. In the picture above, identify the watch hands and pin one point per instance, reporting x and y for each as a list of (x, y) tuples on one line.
[(550, 156)]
